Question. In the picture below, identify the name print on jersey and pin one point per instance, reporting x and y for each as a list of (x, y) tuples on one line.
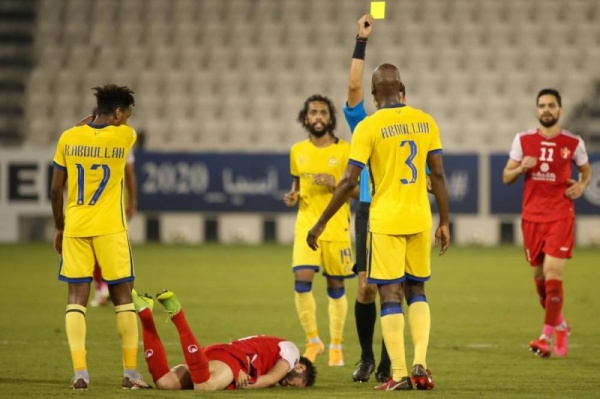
[(88, 151), (404, 128)]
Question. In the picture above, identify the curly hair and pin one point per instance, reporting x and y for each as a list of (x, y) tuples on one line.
[(310, 374), (110, 97), (323, 99)]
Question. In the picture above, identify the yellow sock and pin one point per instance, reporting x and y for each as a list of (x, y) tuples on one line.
[(307, 312), (392, 328), (338, 309), (76, 330), (419, 320), (128, 332)]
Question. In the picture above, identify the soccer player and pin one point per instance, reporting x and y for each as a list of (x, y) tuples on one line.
[(364, 308), (544, 157), (91, 226), (316, 165), (102, 294), (397, 141), (253, 362), (365, 311)]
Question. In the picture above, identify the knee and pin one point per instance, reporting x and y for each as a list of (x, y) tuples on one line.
[(554, 275), (553, 269), (208, 386), (121, 293), (390, 293), (413, 289), (78, 294), (366, 293), (168, 382)]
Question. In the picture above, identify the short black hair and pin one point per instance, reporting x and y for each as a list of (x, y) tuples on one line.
[(310, 374), (323, 99), (110, 97), (552, 92)]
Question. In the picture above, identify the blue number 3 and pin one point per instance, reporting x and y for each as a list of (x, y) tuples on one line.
[(409, 161), (81, 182)]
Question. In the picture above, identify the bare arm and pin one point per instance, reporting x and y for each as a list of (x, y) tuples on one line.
[(514, 169), (342, 193), (276, 374), (586, 174), (59, 178), (355, 194), (440, 191), (131, 185), (355, 87), (576, 188)]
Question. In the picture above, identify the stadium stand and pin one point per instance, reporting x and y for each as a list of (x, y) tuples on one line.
[(233, 73), (17, 20)]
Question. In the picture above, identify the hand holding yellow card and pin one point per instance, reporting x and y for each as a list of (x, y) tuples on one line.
[(378, 9)]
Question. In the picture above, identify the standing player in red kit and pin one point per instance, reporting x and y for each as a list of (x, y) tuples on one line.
[(254, 362), (544, 156)]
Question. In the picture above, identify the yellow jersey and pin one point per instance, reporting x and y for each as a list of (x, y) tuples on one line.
[(307, 160), (94, 157), (395, 141)]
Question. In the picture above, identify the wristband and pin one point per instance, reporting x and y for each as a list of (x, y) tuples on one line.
[(360, 48)]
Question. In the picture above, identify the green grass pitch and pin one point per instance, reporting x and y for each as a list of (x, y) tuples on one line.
[(484, 312)]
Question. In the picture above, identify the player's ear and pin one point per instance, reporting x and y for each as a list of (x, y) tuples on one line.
[(300, 367), (119, 115)]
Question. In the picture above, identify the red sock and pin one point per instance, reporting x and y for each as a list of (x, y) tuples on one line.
[(554, 301), (154, 351), (193, 353), (540, 286), (97, 276)]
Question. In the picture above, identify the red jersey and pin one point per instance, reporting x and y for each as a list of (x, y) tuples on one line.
[(260, 353), (544, 197)]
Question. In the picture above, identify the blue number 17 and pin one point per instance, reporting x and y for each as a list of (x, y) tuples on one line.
[(81, 182), (409, 161)]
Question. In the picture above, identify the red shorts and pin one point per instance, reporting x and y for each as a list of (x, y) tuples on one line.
[(555, 239), (237, 361)]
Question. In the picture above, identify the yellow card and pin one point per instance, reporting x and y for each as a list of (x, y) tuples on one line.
[(378, 9)]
